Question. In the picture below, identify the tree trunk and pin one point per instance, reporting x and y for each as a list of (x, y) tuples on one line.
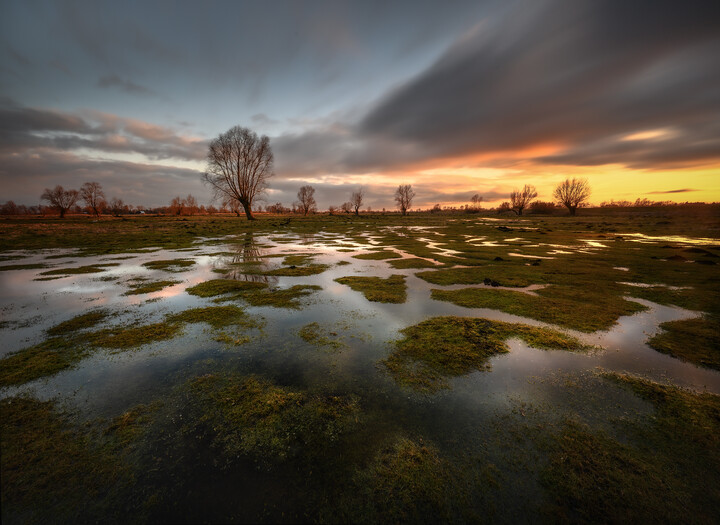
[(62, 213), (248, 211), (573, 209)]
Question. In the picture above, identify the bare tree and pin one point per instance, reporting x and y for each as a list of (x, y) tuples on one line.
[(60, 198), (306, 199), (403, 197), (346, 207), (92, 194), (238, 166), (356, 199), (572, 193), (191, 205), (476, 200), (117, 206), (520, 199), (177, 205)]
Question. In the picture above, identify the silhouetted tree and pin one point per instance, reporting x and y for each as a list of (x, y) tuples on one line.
[(403, 197), (117, 206), (572, 193), (356, 199), (346, 207), (92, 194), (191, 205), (238, 166), (505, 206), (60, 198), (542, 208), (520, 199), (476, 200), (306, 199)]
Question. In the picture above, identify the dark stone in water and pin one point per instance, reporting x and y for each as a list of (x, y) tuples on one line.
[(536, 263), (504, 229), (676, 258), (498, 259)]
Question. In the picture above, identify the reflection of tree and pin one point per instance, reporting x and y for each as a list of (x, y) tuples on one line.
[(248, 263)]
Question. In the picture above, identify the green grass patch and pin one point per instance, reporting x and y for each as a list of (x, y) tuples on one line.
[(131, 337), (695, 340), (585, 310), (79, 322), (92, 268), (297, 271), (410, 263), (216, 287), (250, 417), (666, 465), (377, 289), (170, 265), (216, 316), (281, 297), (321, 337), (379, 255), (443, 347), (44, 359), (149, 287)]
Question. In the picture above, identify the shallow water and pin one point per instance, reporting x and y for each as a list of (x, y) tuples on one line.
[(456, 419)]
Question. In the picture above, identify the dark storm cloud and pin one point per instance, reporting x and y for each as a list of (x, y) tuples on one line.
[(114, 81), (581, 74), (24, 128), (27, 174)]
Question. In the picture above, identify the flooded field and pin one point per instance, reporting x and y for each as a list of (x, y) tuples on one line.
[(360, 369)]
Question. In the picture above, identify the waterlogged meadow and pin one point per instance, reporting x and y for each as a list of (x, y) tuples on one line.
[(363, 369)]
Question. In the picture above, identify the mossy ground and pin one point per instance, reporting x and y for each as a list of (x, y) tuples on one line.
[(321, 337), (170, 265), (140, 288), (390, 290), (93, 268), (30, 266), (443, 347), (667, 470), (695, 340), (380, 255)]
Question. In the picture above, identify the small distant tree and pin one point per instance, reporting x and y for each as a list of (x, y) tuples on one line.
[(9, 208), (176, 205), (476, 200), (346, 207), (233, 205), (504, 207), (191, 205), (92, 194), (60, 198), (306, 199), (519, 200), (332, 210), (117, 206), (356, 199), (572, 193), (238, 166), (542, 208), (436, 209), (403, 197)]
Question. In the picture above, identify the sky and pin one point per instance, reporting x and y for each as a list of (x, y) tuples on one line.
[(454, 98)]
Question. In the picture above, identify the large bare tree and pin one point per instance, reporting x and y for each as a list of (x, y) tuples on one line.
[(520, 199), (356, 199), (92, 194), (572, 193), (60, 198), (403, 197), (306, 199), (238, 166)]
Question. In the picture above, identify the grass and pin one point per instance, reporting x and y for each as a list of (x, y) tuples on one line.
[(695, 340), (281, 297), (170, 265), (379, 255), (134, 336), (215, 316), (51, 472), (377, 289), (443, 347), (665, 469), (411, 263), (149, 287), (583, 310), (297, 271), (247, 416), (92, 268), (216, 287), (316, 335), (79, 322)]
